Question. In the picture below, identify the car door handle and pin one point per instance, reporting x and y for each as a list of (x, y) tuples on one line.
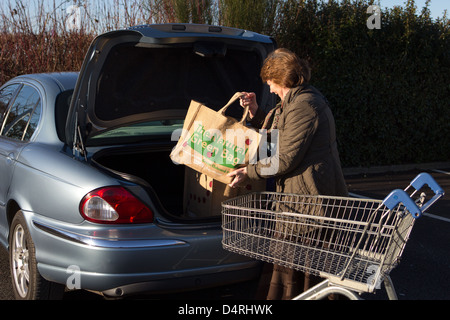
[(10, 158)]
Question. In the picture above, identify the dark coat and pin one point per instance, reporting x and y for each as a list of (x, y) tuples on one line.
[(308, 161)]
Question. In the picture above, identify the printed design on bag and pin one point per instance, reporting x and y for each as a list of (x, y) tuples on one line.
[(216, 150), (206, 151)]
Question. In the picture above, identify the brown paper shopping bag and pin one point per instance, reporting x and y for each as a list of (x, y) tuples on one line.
[(215, 144), (203, 195)]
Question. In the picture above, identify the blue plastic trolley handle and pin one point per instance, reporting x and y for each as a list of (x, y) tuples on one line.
[(423, 179), (399, 196)]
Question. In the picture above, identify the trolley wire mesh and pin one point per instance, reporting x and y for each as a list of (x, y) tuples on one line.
[(351, 241)]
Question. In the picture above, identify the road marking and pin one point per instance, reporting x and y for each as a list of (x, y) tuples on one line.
[(355, 195), (440, 171), (433, 216)]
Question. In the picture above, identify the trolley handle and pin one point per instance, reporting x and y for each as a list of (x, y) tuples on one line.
[(400, 196), (426, 179)]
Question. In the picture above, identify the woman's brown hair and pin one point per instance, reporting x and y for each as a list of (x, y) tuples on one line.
[(286, 69)]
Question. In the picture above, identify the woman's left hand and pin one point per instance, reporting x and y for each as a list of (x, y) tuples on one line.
[(248, 99), (240, 175)]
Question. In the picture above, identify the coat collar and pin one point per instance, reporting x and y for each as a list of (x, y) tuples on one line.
[(293, 93)]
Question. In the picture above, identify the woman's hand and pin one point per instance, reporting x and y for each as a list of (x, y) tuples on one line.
[(248, 99), (240, 175)]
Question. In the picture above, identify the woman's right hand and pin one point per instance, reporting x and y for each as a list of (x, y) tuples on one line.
[(248, 99), (240, 175)]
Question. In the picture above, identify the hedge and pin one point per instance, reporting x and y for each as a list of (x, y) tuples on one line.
[(389, 88)]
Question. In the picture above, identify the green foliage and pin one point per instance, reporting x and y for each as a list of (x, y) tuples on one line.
[(388, 87), (181, 11), (194, 11), (255, 15)]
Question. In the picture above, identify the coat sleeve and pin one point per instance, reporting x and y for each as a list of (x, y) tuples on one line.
[(258, 120), (293, 141)]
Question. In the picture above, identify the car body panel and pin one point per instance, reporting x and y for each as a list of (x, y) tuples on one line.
[(115, 257), (64, 187)]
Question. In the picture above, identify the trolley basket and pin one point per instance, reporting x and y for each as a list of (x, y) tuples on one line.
[(352, 242)]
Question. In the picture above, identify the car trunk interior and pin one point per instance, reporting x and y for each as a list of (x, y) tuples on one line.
[(136, 81), (150, 168)]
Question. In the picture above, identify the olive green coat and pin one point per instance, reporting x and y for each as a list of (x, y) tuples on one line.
[(308, 159), (306, 162)]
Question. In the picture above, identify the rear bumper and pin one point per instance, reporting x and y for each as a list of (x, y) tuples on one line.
[(244, 272), (120, 285), (127, 263)]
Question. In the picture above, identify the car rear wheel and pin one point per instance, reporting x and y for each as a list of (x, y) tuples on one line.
[(27, 283)]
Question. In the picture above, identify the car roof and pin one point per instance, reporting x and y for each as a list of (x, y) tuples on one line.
[(64, 80)]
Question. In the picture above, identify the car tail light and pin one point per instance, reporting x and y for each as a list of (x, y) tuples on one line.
[(114, 205)]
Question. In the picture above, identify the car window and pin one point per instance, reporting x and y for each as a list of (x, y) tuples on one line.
[(138, 131), (62, 106), (33, 122), (6, 94), (23, 115)]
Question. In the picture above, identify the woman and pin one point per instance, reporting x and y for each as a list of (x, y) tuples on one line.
[(307, 159)]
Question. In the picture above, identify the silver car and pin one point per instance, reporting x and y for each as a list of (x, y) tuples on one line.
[(89, 198)]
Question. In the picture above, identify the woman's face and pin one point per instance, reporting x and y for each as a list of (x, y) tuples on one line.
[(277, 89)]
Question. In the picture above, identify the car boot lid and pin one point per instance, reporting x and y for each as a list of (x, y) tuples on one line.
[(152, 72)]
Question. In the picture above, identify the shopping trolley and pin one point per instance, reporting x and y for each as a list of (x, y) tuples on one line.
[(353, 243)]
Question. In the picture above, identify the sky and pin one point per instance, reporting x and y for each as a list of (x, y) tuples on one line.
[(437, 7)]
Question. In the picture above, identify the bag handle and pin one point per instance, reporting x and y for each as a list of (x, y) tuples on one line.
[(236, 96)]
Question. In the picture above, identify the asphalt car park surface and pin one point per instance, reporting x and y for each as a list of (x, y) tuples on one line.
[(422, 274)]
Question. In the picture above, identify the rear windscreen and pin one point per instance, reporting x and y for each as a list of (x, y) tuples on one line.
[(137, 80)]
